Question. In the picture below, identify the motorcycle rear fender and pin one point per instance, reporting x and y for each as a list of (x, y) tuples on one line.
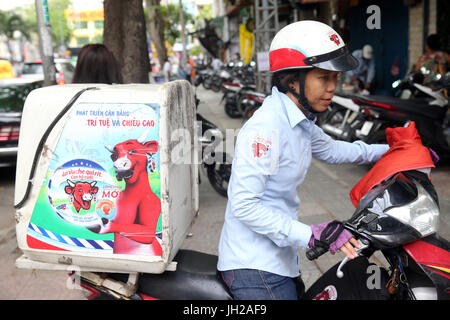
[(433, 256)]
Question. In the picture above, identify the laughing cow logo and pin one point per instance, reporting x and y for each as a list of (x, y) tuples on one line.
[(335, 38), (137, 208), (260, 147), (81, 193)]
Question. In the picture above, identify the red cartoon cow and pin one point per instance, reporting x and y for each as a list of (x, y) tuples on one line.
[(82, 193), (259, 149), (138, 207)]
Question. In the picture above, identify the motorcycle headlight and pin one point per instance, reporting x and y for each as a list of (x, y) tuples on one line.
[(224, 74), (396, 83), (422, 214)]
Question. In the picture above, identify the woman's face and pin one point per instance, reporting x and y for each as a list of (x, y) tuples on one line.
[(319, 88)]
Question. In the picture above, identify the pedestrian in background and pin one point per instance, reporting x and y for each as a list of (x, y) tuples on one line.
[(96, 64), (446, 53), (191, 64), (187, 69), (433, 59), (166, 69), (364, 75), (216, 64)]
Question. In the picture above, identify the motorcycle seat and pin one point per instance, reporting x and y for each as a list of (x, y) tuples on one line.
[(419, 106), (196, 278)]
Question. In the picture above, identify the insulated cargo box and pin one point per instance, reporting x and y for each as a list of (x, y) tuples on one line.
[(106, 176)]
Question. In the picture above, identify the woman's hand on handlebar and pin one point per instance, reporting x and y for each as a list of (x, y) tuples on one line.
[(332, 236), (349, 248)]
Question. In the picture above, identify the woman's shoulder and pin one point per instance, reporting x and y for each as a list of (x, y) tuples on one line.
[(268, 116)]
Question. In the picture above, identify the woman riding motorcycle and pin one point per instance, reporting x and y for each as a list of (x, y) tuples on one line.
[(258, 249)]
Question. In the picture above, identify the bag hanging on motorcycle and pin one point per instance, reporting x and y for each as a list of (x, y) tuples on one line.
[(361, 281), (106, 177)]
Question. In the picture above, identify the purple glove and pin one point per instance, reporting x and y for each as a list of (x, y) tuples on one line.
[(330, 234), (434, 156)]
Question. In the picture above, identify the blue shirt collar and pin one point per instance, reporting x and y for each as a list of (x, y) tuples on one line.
[(294, 114)]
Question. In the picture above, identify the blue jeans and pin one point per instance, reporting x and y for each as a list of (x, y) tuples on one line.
[(249, 284)]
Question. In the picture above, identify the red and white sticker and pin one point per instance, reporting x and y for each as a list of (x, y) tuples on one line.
[(333, 36), (329, 293), (260, 147)]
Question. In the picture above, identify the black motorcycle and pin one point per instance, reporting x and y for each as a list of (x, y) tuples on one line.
[(216, 164), (232, 96), (398, 218), (202, 77), (252, 102), (384, 112), (241, 100)]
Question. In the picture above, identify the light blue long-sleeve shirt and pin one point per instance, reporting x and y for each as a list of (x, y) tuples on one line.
[(272, 155), (365, 71)]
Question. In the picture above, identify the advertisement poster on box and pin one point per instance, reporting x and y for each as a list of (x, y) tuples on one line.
[(101, 192)]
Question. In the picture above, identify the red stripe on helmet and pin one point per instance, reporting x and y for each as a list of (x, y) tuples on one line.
[(286, 58)]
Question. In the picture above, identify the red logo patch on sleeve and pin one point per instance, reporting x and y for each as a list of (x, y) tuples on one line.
[(260, 146)]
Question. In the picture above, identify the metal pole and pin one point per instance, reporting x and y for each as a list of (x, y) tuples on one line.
[(61, 33), (45, 43), (266, 26)]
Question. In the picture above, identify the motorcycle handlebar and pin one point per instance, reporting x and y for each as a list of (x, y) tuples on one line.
[(314, 253)]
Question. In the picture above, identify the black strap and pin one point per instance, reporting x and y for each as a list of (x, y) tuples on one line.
[(42, 142), (329, 234), (301, 98)]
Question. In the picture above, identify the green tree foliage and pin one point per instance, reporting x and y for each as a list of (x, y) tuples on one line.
[(171, 15), (58, 21), (10, 23), (205, 12), (195, 51)]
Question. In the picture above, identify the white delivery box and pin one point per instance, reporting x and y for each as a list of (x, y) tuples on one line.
[(106, 177)]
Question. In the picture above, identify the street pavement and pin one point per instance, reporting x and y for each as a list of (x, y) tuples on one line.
[(324, 195)]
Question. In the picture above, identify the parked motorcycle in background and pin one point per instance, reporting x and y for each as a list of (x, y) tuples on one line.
[(232, 95), (241, 100), (252, 102), (230, 73), (419, 84), (202, 78), (217, 165)]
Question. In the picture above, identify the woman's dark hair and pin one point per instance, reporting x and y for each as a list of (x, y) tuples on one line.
[(281, 79), (96, 64)]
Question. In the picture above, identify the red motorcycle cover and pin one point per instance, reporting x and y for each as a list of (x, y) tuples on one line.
[(431, 256), (406, 152)]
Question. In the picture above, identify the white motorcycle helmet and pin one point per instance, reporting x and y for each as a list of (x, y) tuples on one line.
[(304, 45), (307, 44)]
